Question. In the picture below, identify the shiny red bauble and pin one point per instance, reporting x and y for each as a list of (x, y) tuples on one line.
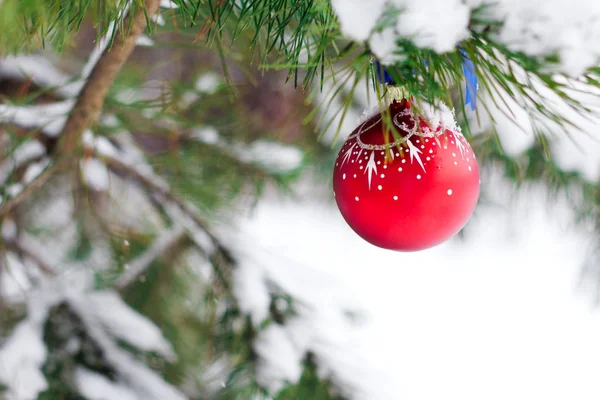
[(408, 194)]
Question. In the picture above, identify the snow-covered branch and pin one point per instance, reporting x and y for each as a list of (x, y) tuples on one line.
[(88, 106), (34, 185), (153, 184), (25, 251), (142, 380), (166, 241)]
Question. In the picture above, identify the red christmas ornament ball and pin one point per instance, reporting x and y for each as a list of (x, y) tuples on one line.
[(408, 194)]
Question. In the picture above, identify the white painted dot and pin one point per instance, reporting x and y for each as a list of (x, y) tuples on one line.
[(428, 158), (467, 160), (344, 176), (426, 140), (469, 167), (422, 147), (455, 163), (446, 147), (385, 167), (395, 197), (353, 161), (397, 154), (361, 167), (452, 141), (430, 151), (400, 169), (383, 152), (453, 154), (356, 198), (418, 176), (403, 161), (355, 175), (359, 161), (449, 192), (379, 187), (383, 175), (418, 141), (378, 162)]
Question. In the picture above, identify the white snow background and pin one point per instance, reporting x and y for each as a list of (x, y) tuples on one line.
[(535, 27), (494, 317)]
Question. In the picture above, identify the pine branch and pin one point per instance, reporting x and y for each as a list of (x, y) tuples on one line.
[(156, 186), (183, 213), (24, 155), (25, 251), (166, 241), (31, 188), (89, 103), (88, 107), (301, 35)]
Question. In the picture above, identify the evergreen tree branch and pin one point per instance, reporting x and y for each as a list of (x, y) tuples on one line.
[(31, 188), (88, 106), (89, 103), (166, 241), (218, 254), (24, 251)]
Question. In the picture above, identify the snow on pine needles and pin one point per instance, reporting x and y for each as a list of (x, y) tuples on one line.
[(534, 27), (105, 317)]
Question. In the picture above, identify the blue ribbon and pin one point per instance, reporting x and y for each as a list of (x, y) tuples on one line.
[(468, 69), (471, 78), (382, 75)]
